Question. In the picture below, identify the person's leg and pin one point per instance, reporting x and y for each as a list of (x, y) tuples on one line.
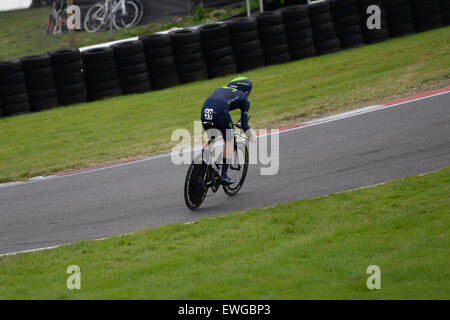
[(211, 132), (227, 157), (228, 134)]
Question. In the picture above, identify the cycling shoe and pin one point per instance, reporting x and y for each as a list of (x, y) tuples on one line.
[(226, 181)]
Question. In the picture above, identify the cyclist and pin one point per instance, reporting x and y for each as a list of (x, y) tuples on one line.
[(215, 115)]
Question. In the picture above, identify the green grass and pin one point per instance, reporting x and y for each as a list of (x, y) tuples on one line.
[(308, 249), (138, 125)]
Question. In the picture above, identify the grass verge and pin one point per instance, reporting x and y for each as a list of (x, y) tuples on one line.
[(308, 249), (138, 125)]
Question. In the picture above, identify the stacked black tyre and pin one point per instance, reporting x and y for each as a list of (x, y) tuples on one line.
[(187, 47), (217, 50), (347, 22), (399, 17), (13, 89), (273, 37), (132, 67), (100, 70), (67, 68), (324, 32), (288, 3), (270, 5), (41, 86), (445, 11), (160, 61), (246, 43), (298, 32), (426, 14), (373, 35)]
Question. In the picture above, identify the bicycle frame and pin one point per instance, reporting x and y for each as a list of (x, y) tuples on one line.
[(213, 181), (237, 135), (116, 6)]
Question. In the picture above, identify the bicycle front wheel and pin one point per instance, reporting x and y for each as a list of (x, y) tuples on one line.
[(238, 169), (96, 18)]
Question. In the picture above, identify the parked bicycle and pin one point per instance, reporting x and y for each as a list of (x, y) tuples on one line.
[(124, 13), (203, 176)]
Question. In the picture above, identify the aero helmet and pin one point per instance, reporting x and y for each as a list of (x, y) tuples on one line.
[(243, 84)]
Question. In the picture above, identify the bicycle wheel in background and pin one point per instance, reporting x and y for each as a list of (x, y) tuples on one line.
[(238, 169), (128, 19), (140, 5), (95, 18), (194, 185)]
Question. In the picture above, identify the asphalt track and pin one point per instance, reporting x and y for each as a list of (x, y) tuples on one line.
[(332, 156)]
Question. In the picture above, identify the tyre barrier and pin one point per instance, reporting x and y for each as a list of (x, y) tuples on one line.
[(373, 35), (288, 3), (271, 5), (13, 88), (101, 74), (160, 61), (445, 12), (273, 37), (347, 23), (298, 32), (187, 47), (324, 32), (426, 14), (246, 43), (278, 4), (399, 17), (132, 66), (67, 68), (41, 85), (217, 50)]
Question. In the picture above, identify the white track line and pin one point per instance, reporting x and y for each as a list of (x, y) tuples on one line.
[(60, 245), (31, 250)]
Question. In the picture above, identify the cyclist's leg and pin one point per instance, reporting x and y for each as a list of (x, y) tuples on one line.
[(227, 131), (210, 126)]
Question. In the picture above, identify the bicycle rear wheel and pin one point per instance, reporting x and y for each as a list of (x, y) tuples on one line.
[(194, 185), (237, 170), (140, 6), (128, 19)]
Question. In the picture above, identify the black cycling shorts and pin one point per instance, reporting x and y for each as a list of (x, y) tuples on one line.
[(217, 118)]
